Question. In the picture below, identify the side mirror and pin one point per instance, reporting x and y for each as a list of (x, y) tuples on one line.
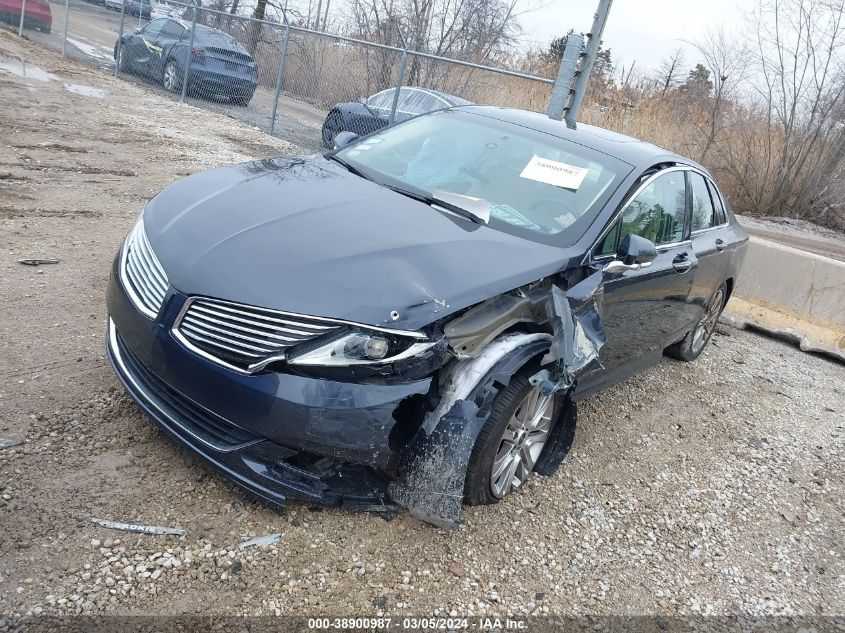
[(342, 139), (635, 252)]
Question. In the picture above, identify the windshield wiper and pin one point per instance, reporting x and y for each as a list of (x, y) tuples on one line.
[(474, 209), (354, 170)]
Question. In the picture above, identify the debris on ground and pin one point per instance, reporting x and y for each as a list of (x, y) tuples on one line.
[(141, 529), (9, 442), (262, 541), (38, 262)]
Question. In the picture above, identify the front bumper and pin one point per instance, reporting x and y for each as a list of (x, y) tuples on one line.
[(265, 432)]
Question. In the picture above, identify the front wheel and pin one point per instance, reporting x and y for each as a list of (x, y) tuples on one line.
[(691, 346), (170, 77), (511, 441)]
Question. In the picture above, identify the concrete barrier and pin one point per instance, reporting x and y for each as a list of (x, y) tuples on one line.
[(791, 293)]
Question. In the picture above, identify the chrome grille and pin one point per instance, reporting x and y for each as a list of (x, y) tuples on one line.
[(244, 337), (147, 281)]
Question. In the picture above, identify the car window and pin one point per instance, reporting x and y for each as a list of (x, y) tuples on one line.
[(536, 185), (382, 100), (657, 213), (721, 217), (412, 101), (703, 215), (608, 245), (172, 29), (154, 28)]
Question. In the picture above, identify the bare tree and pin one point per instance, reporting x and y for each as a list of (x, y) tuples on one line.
[(726, 58), (670, 70)]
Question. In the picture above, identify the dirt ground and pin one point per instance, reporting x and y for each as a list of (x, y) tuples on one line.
[(707, 488)]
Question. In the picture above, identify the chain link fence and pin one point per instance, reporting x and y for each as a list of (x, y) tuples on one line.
[(302, 85)]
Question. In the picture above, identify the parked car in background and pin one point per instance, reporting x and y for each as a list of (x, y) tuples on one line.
[(410, 318), (36, 16), (131, 7), (371, 114), (220, 66), (160, 9)]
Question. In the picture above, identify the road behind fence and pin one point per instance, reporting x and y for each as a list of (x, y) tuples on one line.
[(296, 83)]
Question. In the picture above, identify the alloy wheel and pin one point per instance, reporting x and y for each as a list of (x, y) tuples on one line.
[(707, 324), (522, 442), (171, 77)]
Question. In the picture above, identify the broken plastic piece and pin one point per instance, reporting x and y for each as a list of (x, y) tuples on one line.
[(142, 529), (9, 442), (262, 541), (434, 465), (578, 330)]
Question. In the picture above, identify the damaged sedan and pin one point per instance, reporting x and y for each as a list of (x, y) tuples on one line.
[(411, 318)]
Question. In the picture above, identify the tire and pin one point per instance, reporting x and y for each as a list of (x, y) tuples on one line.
[(690, 347), (119, 59), (170, 78), (481, 486), (242, 100), (331, 128)]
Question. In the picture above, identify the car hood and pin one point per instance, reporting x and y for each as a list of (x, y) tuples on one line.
[(305, 235)]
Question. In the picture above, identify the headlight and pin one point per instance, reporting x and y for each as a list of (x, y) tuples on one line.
[(361, 348)]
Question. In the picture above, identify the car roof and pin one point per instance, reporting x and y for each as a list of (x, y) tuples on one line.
[(627, 148)]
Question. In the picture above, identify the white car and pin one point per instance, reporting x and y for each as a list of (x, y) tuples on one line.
[(164, 10)]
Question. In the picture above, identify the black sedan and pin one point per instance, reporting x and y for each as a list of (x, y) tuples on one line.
[(219, 64), (373, 113), (411, 319)]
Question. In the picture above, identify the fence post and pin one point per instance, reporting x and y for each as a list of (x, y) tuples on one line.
[(190, 54), (281, 76), (583, 77), (67, 19), (562, 87), (402, 64), (23, 12), (120, 39)]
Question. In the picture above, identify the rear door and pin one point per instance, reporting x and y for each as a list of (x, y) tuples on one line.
[(708, 243), (170, 33), (645, 310)]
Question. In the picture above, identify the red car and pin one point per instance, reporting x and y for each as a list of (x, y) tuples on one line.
[(37, 14)]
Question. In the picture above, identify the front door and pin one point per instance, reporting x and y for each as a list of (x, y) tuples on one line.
[(646, 310)]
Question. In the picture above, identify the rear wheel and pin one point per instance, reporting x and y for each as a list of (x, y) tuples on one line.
[(511, 441), (691, 346), (170, 77), (331, 128), (242, 100), (119, 58)]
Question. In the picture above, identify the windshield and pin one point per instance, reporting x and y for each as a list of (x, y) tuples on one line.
[(536, 185)]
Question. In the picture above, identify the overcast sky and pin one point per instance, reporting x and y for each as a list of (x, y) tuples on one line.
[(641, 30)]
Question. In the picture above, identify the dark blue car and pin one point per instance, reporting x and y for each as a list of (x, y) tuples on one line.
[(220, 66), (411, 319)]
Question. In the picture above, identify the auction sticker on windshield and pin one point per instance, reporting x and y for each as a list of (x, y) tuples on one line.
[(551, 172)]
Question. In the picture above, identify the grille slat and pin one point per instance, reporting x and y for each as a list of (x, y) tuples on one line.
[(239, 335), (143, 273), (226, 343), (202, 318), (273, 323), (215, 332)]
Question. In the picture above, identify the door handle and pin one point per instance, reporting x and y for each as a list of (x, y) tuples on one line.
[(681, 263), (720, 245)]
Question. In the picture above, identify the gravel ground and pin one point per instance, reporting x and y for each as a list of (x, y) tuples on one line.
[(707, 488)]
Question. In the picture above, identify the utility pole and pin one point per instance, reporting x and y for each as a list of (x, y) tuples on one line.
[(587, 61)]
